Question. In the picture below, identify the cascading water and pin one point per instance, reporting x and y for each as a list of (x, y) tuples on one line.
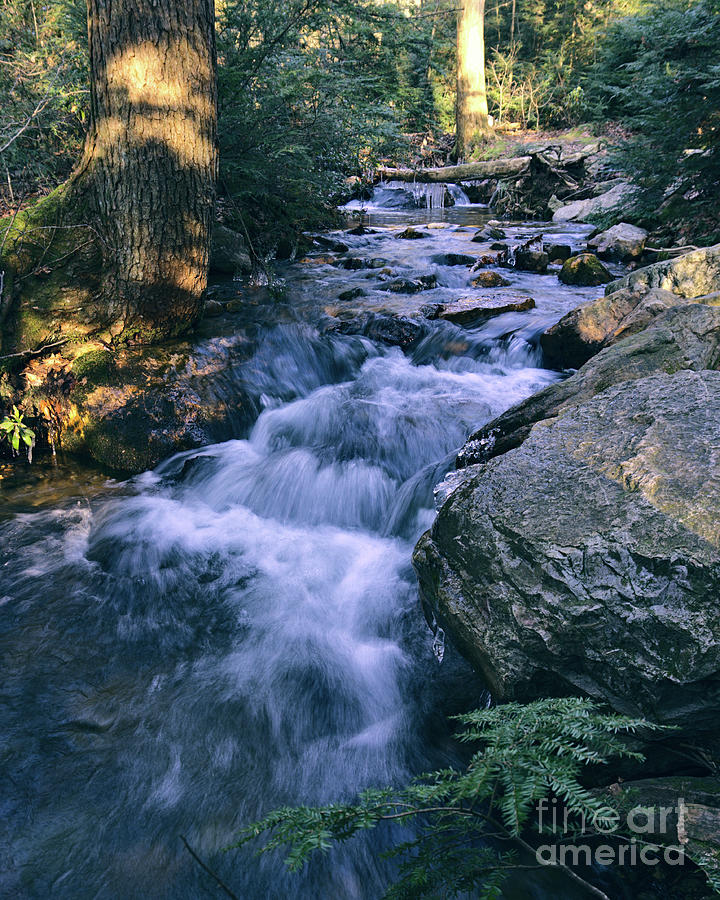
[(239, 629)]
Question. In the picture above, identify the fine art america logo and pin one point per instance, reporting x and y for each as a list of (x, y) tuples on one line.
[(646, 835)]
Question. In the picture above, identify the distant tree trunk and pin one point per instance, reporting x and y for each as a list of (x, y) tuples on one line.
[(472, 107), (150, 160)]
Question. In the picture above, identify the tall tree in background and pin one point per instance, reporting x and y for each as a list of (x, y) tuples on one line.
[(472, 106)]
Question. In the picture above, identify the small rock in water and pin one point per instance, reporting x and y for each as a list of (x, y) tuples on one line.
[(360, 230), (330, 243), (377, 263), (411, 285), (411, 234), (489, 233), (489, 280), (497, 245), (351, 263), (213, 308), (454, 259), (558, 251), (351, 294), (531, 260), (585, 270)]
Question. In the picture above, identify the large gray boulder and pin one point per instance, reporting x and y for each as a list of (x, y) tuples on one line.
[(622, 242), (586, 210), (684, 337), (693, 274), (588, 559)]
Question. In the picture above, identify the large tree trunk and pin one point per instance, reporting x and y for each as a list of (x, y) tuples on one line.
[(472, 107), (150, 160)]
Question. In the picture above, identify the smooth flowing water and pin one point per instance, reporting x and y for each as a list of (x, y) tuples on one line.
[(240, 629)]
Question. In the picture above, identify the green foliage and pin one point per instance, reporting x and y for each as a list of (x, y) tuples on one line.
[(15, 431), (468, 822), (659, 76), (43, 83)]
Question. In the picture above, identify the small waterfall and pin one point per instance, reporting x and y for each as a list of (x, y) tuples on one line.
[(458, 195)]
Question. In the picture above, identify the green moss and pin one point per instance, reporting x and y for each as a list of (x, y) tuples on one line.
[(98, 366)]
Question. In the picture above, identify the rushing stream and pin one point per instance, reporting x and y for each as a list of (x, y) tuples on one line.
[(239, 629)]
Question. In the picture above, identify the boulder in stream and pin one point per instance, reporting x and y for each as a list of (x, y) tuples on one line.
[(472, 310), (587, 560), (622, 242), (585, 269)]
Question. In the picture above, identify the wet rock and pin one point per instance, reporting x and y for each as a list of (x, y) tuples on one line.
[(411, 285), (558, 251), (489, 233), (351, 294), (132, 408), (694, 274), (398, 331), (411, 234), (352, 263), (471, 310), (622, 242), (228, 253), (360, 230), (213, 308), (584, 269), (496, 245), (377, 263), (330, 243), (454, 259), (587, 560), (489, 279), (530, 260), (584, 331), (684, 337)]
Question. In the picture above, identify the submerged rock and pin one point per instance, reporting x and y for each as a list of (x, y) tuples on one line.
[(584, 270), (454, 259), (588, 559), (622, 242)]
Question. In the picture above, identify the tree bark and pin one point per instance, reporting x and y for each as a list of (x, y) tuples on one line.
[(472, 107), (150, 161)]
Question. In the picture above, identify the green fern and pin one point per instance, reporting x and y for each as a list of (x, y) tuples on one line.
[(470, 823)]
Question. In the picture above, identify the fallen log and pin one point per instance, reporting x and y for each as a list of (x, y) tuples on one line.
[(495, 168)]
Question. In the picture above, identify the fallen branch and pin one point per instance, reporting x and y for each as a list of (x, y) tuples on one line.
[(495, 168), (207, 869)]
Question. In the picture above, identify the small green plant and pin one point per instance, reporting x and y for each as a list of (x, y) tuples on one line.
[(470, 824), (14, 430)]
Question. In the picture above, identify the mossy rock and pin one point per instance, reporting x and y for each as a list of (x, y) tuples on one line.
[(584, 270)]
